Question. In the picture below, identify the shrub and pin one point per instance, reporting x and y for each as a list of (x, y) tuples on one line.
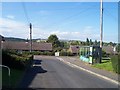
[(65, 53), (104, 54), (116, 63), (14, 61)]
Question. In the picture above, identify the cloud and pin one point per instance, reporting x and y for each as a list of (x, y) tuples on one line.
[(44, 12), (10, 16), (12, 28)]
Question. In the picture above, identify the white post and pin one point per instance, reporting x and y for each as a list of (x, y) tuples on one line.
[(101, 23)]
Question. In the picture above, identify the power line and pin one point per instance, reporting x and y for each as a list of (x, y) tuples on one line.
[(72, 16), (25, 11)]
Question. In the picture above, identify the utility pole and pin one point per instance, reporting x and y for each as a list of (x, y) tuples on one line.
[(101, 23), (30, 37), (101, 29)]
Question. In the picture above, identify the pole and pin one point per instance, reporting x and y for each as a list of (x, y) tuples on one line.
[(101, 29), (101, 23), (30, 37)]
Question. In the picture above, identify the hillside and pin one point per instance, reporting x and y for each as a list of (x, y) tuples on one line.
[(13, 39)]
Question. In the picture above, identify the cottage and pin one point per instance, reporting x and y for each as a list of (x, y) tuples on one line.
[(74, 49), (110, 49)]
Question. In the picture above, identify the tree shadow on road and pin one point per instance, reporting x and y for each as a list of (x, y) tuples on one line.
[(31, 73)]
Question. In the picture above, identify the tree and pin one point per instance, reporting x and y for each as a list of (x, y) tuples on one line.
[(96, 42), (87, 41), (54, 40), (91, 42), (75, 43), (110, 43)]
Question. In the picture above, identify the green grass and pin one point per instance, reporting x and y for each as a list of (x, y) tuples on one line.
[(109, 65), (15, 77), (105, 65)]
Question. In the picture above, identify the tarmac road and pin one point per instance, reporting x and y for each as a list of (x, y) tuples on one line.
[(49, 72)]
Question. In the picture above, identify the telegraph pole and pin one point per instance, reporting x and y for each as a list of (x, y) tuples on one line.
[(101, 29), (101, 23), (30, 37)]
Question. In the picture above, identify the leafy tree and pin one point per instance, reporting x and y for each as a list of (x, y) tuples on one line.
[(87, 41), (91, 42), (54, 40), (75, 43), (95, 42), (110, 43)]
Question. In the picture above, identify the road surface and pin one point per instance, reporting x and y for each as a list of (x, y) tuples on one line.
[(49, 72)]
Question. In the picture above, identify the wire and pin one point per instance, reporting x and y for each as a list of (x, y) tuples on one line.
[(72, 16), (25, 11)]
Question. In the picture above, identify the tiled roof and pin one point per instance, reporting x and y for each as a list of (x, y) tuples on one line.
[(26, 46), (74, 49), (109, 49)]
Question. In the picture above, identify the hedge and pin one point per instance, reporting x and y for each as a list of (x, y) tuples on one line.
[(16, 61), (116, 63)]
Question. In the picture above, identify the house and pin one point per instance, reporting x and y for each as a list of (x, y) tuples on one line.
[(74, 49), (25, 46), (110, 49)]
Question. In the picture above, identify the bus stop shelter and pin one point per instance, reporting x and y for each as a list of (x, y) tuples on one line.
[(90, 54)]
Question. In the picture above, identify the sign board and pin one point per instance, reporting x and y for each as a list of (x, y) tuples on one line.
[(56, 53)]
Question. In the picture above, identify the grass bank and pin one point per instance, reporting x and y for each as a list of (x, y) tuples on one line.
[(14, 79), (110, 65), (17, 63)]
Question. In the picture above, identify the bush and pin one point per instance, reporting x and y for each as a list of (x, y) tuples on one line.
[(65, 53), (116, 63), (14, 61)]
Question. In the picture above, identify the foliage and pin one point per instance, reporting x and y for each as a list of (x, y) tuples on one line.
[(54, 40), (15, 77), (105, 65), (39, 53), (110, 65), (91, 43), (12, 60), (65, 53), (75, 43), (87, 41), (104, 54), (116, 63)]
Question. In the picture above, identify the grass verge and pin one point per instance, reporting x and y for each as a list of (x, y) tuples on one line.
[(110, 65), (105, 65), (15, 77)]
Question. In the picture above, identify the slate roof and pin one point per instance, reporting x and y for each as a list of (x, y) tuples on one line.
[(26, 46), (109, 49), (74, 48)]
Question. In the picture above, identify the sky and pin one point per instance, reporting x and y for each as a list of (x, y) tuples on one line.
[(68, 20)]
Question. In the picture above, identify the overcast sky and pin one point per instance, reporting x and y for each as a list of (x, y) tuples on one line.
[(68, 20)]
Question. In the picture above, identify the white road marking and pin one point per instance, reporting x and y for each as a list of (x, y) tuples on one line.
[(73, 65)]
